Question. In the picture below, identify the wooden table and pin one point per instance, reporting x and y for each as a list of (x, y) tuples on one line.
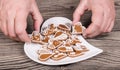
[(12, 55)]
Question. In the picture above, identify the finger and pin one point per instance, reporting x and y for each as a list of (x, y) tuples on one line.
[(36, 16), (4, 27), (16, 39), (11, 24), (111, 26), (20, 26), (111, 23), (0, 24), (79, 11), (113, 16), (108, 25), (107, 18), (106, 22), (92, 31), (97, 20), (110, 13), (0, 20)]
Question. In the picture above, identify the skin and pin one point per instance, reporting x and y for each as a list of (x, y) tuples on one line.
[(13, 15), (103, 16)]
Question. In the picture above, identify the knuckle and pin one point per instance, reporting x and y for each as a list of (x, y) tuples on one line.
[(109, 30), (5, 33), (12, 35), (108, 10), (19, 32), (101, 30), (8, 13), (98, 26)]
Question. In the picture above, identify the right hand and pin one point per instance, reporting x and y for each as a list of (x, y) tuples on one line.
[(103, 16), (13, 16)]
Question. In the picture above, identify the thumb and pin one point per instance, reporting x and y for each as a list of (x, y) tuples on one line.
[(79, 11), (37, 17)]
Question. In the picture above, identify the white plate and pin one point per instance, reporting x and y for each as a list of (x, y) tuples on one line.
[(31, 48)]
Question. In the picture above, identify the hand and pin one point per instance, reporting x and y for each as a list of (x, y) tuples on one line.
[(13, 15), (103, 16)]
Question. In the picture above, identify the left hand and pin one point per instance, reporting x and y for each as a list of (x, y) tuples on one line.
[(103, 16)]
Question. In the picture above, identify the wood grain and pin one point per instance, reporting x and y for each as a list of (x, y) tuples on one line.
[(12, 56)]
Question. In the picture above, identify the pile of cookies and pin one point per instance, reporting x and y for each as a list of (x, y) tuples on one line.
[(59, 42)]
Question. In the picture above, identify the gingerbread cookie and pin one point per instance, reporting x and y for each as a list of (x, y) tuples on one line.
[(59, 56), (65, 49), (75, 54), (54, 44), (64, 27), (77, 28)]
